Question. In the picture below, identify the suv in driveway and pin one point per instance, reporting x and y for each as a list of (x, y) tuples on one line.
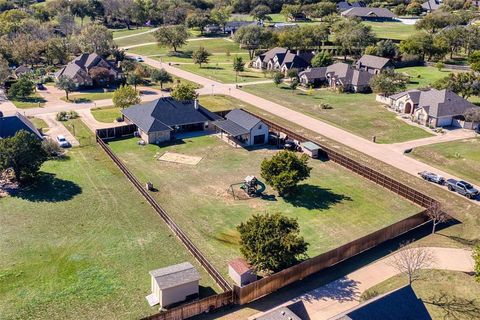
[(463, 188), (62, 141)]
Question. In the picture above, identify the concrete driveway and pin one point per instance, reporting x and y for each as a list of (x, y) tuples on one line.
[(56, 128)]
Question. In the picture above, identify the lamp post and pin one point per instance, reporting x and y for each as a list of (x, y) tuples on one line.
[(213, 86)]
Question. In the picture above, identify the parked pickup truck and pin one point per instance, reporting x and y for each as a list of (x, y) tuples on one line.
[(432, 177), (462, 187)]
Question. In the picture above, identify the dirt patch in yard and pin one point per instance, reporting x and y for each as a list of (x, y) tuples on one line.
[(180, 158)]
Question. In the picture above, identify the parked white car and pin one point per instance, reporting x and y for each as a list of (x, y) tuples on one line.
[(138, 59), (62, 141)]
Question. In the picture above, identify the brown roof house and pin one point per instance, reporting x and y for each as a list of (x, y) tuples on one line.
[(283, 59), (174, 284), (82, 67), (432, 108), (338, 75), (374, 64), (241, 272), (368, 13)]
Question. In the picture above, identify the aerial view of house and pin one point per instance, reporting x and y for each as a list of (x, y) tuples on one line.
[(241, 159)]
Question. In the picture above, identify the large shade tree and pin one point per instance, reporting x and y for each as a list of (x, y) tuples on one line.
[(184, 92), (172, 36), (271, 242), (125, 96), (254, 37)]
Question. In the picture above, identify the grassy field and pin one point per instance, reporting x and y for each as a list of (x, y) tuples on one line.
[(90, 95), (38, 123), (224, 73), (391, 30), (334, 206), (221, 103), (357, 113), (81, 243), (117, 33), (422, 77), (106, 114), (460, 158), (445, 294), (32, 101)]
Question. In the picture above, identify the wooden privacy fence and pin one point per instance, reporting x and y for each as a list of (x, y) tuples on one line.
[(212, 271), (195, 308), (379, 178), (304, 269)]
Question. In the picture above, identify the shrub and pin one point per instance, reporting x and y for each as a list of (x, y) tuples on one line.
[(52, 148), (62, 116)]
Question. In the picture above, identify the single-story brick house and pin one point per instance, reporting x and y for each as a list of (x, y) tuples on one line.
[(369, 13), (10, 125), (374, 64), (174, 284), (159, 120), (80, 70), (337, 75), (243, 128), (432, 108)]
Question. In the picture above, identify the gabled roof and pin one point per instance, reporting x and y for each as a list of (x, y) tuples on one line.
[(165, 113), (402, 304), (282, 313), (368, 12), (443, 103), (413, 94), (243, 119), (314, 73), (371, 61), (240, 266), (175, 275), (431, 5), (10, 125), (347, 75), (270, 54), (81, 64), (345, 5)]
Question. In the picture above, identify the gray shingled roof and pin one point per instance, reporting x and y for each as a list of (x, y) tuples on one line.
[(373, 61), (231, 127), (10, 125), (414, 95), (165, 113), (443, 103), (81, 64), (349, 76), (243, 119), (314, 73), (173, 276), (368, 12), (272, 53), (283, 313), (431, 5)]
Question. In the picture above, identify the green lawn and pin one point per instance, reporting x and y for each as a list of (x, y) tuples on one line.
[(391, 30), (445, 294), (81, 243), (106, 114), (78, 128), (422, 77), (32, 101), (460, 158), (224, 73), (38, 123), (117, 33), (221, 103), (221, 58), (136, 40), (89, 95), (357, 113), (333, 207)]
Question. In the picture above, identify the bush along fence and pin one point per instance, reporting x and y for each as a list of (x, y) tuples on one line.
[(267, 285)]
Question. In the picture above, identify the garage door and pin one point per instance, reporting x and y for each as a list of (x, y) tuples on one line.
[(260, 139)]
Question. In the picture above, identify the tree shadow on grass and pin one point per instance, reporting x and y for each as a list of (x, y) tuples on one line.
[(456, 307), (48, 188), (314, 197)]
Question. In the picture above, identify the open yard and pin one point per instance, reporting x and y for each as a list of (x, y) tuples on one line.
[(32, 101), (391, 30), (333, 207), (224, 73), (80, 244), (445, 294), (422, 77), (357, 113), (106, 114), (460, 158), (89, 95)]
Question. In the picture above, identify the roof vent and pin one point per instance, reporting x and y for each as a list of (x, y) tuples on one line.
[(283, 312)]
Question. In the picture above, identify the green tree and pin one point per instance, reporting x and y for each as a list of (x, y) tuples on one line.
[(200, 56), (173, 36), (24, 154), (198, 19), (277, 78), (389, 82), (254, 37), (285, 170), (134, 79), (96, 38), (291, 11), (322, 59), (474, 61), (261, 13), (66, 84), (386, 49), (434, 21), (419, 44), (21, 89), (271, 242), (221, 15), (351, 36), (4, 70), (161, 76), (125, 96), (294, 84), (238, 66), (465, 84), (476, 259), (184, 92)]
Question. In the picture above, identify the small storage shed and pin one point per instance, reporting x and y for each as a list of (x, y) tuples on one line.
[(174, 284), (241, 272), (310, 148)]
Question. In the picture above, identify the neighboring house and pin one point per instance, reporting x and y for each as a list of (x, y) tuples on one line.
[(282, 313), (174, 284), (401, 303), (431, 5), (230, 27), (283, 25), (345, 5), (367, 13), (159, 120), (282, 59), (22, 70), (241, 272), (80, 70), (374, 64), (432, 108), (338, 75), (10, 125), (243, 128)]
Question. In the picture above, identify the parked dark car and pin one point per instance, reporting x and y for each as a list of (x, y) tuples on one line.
[(432, 177), (290, 145), (40, 86), (463, 188)]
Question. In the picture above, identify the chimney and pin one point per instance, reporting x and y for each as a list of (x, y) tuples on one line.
[(195, 104)]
